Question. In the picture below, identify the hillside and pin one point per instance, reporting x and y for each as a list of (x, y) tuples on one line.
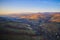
[(30, 27), (55, 17)]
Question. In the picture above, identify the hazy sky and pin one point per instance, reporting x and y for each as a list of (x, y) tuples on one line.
[(18, 6)]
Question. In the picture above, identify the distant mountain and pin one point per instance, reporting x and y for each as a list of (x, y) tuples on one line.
[(52, 16), (55, 17)]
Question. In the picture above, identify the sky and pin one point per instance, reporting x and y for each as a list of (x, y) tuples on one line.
[(20, 6)]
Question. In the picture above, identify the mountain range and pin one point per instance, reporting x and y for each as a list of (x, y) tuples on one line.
[(41, 26), (54, 16)]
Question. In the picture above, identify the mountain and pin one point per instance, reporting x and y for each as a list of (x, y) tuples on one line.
[(28, 16), (55, 17), (52, 16), (33, 16), (38, 26), (16, 25)]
